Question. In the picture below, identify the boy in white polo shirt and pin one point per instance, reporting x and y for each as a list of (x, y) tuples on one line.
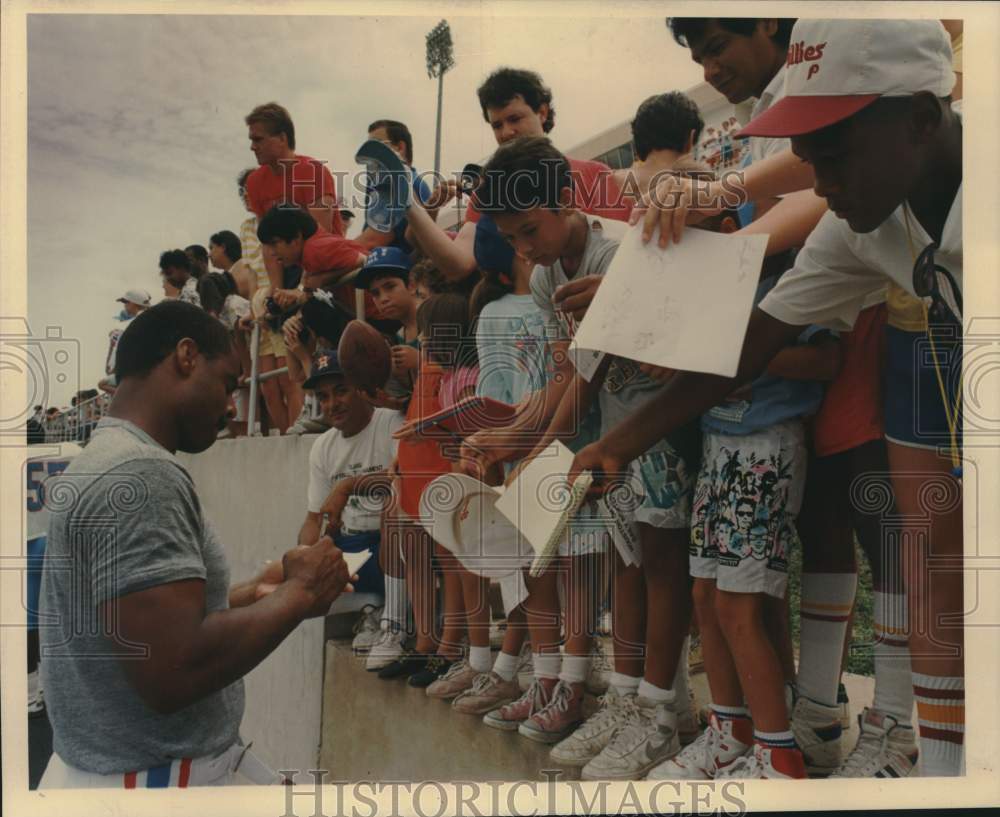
[(867, 105)]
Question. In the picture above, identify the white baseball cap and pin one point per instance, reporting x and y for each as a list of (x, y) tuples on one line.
[(459, 513), (136, 296), (835, 68)]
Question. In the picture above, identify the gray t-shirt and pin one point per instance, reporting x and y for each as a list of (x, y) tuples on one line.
[(625, 387), (597, 254), (124, 517)]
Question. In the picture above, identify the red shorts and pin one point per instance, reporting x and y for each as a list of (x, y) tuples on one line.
[(851, 413)]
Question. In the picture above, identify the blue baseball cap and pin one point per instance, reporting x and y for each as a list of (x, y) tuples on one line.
[(493, 252), (325, 364), (383, 261)]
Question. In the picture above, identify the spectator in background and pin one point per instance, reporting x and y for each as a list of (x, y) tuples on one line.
[(514, 103), (286, 178), (175, 267), (199, 259), (133, 302), (221, 300), (226, 254), (397, 136), (348, 218)]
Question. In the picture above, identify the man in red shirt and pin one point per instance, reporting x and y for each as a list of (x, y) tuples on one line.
[(515, 103), (286, 177)]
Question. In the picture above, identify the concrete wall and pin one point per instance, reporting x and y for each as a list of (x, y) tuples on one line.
[(253, 492)]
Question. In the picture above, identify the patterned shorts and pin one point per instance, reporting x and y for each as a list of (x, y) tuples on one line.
[(748, 494), (666, 488)]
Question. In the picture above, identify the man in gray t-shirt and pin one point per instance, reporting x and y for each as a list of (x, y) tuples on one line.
[(145, 642)]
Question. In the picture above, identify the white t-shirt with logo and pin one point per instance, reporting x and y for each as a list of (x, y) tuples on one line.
[(335, 457)]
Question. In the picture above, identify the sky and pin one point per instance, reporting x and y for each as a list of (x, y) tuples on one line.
[(136, 133)]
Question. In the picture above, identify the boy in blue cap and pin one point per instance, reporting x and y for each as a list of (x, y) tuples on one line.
[(385, 277)]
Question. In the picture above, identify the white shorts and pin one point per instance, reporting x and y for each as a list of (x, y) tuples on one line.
[(748, 494), (235, 766)]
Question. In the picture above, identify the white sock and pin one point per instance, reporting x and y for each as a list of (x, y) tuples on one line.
[(681, 684), (624, 684), (396, 602), (547, 664), (827, 599), (654, 693), (574, 669), (941, 712), (479, 658), (506, 665), (893, 676)]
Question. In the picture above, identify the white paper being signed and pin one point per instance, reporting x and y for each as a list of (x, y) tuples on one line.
[(685, 307)]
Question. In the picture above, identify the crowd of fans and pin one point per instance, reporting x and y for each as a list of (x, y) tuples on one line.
[(491, 310)]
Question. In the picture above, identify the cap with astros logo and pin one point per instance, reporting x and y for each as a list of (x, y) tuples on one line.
[(835, 68), (325, 364)]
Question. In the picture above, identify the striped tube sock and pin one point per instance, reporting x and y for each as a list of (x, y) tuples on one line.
[(738, 720), (893, 677), (825, 608), (941, 713), (730, 712), (775, 740)]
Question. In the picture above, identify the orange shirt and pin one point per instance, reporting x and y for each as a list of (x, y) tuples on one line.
[(420, 460)]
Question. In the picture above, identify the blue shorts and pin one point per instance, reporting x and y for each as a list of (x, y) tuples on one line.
[(370, 577), (914, 408)]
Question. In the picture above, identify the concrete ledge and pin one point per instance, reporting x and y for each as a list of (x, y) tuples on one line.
[(387, 730)]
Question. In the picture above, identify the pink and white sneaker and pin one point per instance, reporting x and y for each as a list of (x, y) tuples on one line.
[(721, 744)]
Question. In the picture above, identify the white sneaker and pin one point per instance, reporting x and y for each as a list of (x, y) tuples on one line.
[(597, 731), (367, 628), (817, 733), (884, 748), (599, 674), (716, 749), (766, 763), (386, 649), (647, 740)]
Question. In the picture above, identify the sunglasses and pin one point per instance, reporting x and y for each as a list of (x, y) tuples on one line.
[(927, 275)]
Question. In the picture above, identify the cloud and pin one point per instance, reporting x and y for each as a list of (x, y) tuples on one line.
[(136, 134)]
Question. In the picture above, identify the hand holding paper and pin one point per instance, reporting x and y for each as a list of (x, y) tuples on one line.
[(685, 308)]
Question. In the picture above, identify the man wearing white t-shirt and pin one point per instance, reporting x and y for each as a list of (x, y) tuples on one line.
[(348, 481), (867, 106)]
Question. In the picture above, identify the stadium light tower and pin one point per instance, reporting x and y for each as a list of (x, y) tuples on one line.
[(440, 58)]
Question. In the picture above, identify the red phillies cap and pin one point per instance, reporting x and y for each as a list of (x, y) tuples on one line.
[(835, 68)]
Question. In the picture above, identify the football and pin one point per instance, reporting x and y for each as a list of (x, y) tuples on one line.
[(365, 357)]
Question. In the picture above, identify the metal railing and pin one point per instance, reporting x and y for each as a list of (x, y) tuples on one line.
[(76, 424), (257, 377)]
